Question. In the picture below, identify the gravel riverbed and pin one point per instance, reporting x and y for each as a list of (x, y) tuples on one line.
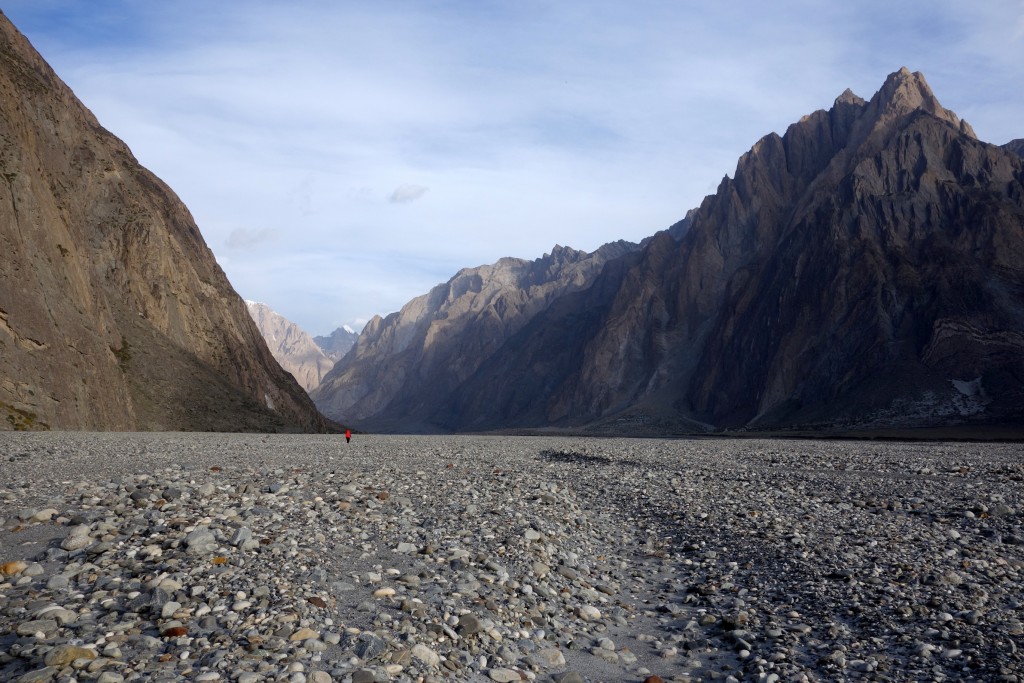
[(250, 558)]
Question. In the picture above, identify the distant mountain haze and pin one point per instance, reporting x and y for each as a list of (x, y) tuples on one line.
[(114, 314), (337, 343), (291, 346), (865, 270)]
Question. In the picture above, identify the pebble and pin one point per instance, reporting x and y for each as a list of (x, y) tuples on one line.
[(77, 539), (257, 558), (44, 675), (551, 658), (426, 655), (568, 677), (13, 568), (64, 655)]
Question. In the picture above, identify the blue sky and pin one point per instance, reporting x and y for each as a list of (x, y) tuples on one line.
[(343, 157)]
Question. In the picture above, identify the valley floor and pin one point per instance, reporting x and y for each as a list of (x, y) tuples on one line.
[(249, 558)]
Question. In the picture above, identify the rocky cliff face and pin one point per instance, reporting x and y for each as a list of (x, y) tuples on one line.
[(113, 312), (292, 346), (403, 367), (864, 270)]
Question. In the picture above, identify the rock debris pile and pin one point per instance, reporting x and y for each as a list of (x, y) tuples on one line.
[(300, 558)]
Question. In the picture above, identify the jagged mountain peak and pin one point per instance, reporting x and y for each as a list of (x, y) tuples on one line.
[(256, 305), (784, 172), (904, 82), (848, 97), (906, 89), (905, 92)]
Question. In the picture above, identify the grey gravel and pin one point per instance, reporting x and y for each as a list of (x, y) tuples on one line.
[(250, 558)]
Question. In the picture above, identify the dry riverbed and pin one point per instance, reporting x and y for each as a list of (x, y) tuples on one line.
[(163, 557)]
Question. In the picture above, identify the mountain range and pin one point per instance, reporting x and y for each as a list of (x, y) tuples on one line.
[(865, 270), (114, 313), (862, 271)]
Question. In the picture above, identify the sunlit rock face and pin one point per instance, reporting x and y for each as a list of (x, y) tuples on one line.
[(291, 346)]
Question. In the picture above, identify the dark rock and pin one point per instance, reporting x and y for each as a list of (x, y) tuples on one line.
[(469, 624), (369, 646), (567, 677), (363, 676)]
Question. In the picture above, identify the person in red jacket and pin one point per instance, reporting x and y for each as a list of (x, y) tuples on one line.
[(348, 434)]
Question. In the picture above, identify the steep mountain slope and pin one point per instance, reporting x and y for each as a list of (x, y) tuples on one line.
[(864, 270), (337, 343), (403, 366), (292, 346), (113, 312)]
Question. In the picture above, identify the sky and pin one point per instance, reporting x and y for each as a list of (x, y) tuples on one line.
[(342, 157)]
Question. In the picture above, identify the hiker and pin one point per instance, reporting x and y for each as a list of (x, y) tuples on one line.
[(348, 434)]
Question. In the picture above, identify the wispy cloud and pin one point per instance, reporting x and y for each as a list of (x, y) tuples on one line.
[(575, 122), (247, 238), (404, 194)]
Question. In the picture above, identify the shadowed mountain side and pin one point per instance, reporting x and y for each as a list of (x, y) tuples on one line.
[(515, 385), (170, 388), (113, 312)]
